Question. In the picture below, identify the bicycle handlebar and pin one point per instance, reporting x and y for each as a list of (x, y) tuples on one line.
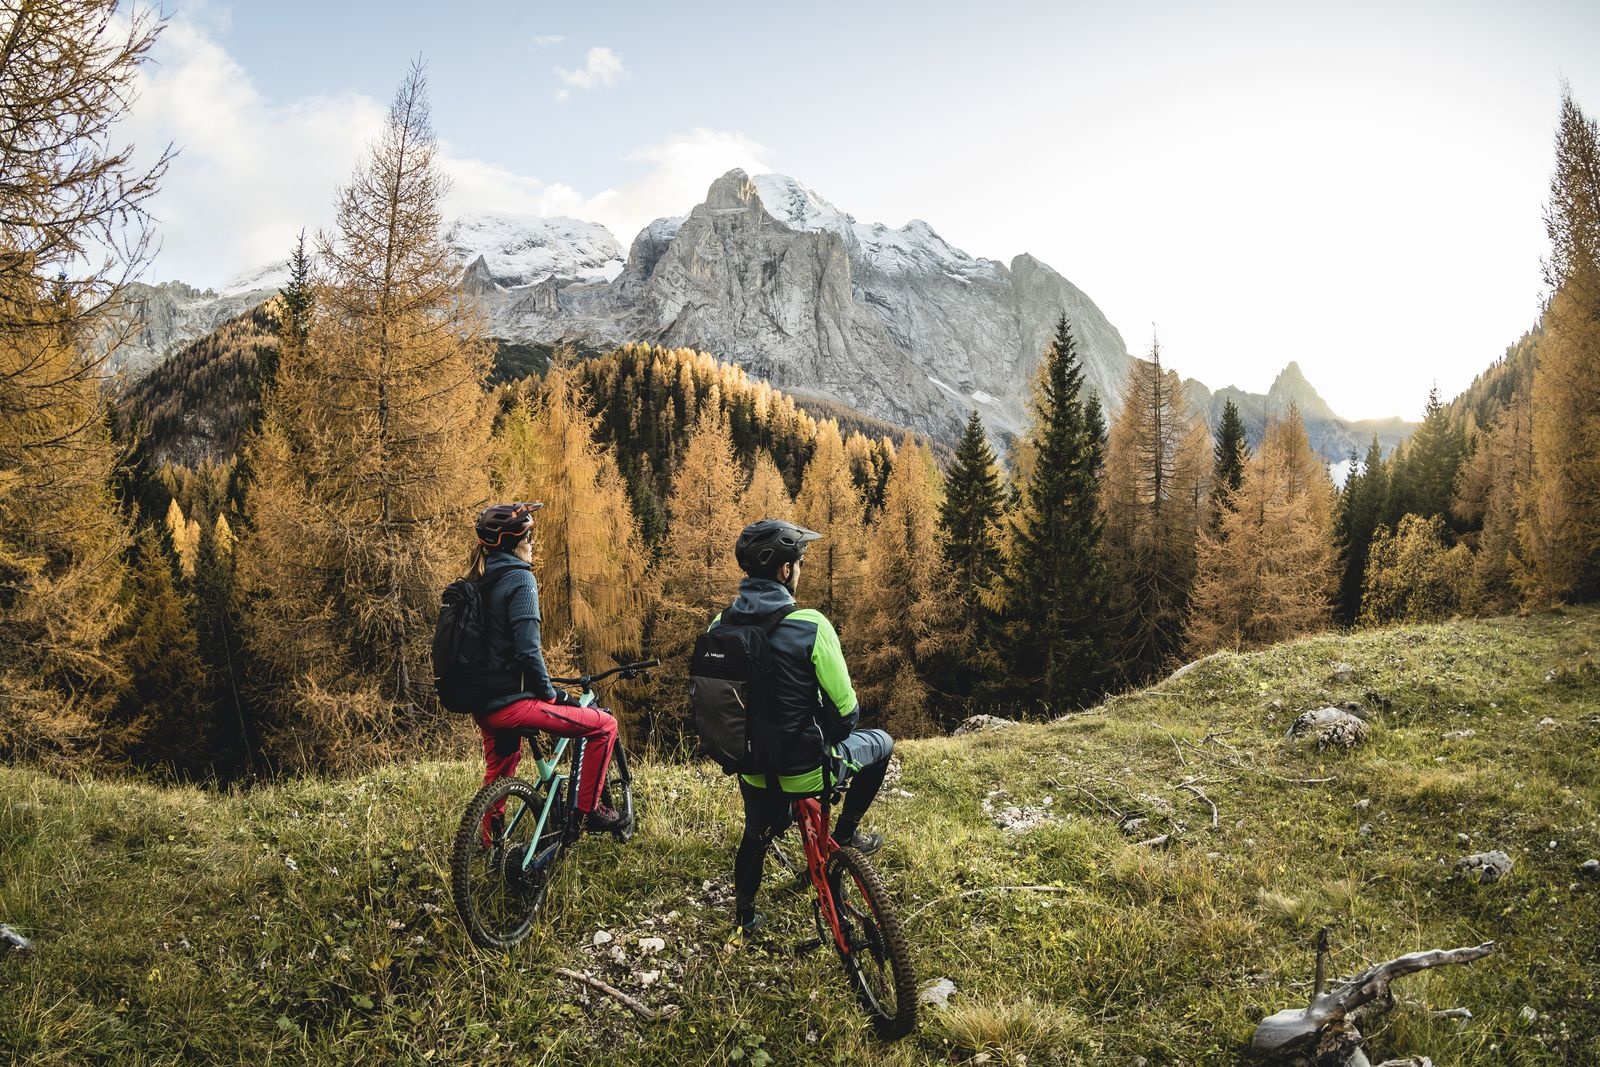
[(627, 670)]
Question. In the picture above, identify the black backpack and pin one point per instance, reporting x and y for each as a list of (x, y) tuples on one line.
[(731, 692), (461, 671)]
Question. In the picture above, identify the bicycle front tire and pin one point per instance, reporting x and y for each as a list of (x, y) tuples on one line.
[(875, 955), (496, 896)]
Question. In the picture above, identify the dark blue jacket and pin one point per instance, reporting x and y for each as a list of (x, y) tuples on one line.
[(511, 609)]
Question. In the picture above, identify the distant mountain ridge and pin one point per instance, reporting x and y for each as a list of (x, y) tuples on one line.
[(1332, 437), (767, 274)]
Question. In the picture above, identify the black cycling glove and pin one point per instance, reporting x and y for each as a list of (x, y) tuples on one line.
[(565, 698)]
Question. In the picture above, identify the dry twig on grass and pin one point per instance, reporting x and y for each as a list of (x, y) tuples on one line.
[(639, 1007), (1209, 802)]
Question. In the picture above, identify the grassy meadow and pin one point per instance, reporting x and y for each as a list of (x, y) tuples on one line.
[(310, 920)]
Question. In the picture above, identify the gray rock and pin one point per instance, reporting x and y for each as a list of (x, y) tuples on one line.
[(1484, 867), (1330, 727), (936, 993), (982, 724), (1590, 868)]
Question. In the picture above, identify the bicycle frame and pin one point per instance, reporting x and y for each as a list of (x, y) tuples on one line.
[(548, 773), (813, 819)]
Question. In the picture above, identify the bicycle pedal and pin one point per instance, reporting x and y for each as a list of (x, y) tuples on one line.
[(808, 946)]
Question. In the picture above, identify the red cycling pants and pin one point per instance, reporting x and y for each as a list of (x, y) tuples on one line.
[(597, 727)]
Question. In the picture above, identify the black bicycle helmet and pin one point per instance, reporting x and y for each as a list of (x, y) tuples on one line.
[(766, 545), (503, 525)]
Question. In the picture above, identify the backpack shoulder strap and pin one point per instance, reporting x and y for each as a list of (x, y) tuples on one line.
[(771, 622)]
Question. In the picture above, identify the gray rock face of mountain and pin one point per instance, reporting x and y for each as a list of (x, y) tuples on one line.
[(163, 318), (1331, 437), (896, 323)]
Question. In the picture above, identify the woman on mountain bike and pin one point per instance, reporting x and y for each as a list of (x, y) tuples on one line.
[(502, 563)]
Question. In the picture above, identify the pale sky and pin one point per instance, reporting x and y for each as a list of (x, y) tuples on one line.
[(1357, 187)]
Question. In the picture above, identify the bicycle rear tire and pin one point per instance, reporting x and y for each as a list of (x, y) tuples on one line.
[(876, 956), (496, 898)]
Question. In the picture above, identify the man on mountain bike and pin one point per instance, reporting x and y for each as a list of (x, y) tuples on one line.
[(501, 561), (815, 708)]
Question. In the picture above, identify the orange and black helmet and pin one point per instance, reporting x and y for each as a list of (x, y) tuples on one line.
[(503, 525)]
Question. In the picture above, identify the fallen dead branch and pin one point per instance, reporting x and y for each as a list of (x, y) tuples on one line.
[(1293, 1030), (641, 1009), (1113, 812), (1209, 802), (1161, 841)]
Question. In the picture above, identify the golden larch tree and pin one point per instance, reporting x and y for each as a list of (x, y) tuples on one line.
[(905, 615), (588, 558), (766, 497), (1562, 532), (1154, 497), (62, 538), (1492, 494), (74, 228), (1268, 573), (698, 570), (370, 461), (830, 503)]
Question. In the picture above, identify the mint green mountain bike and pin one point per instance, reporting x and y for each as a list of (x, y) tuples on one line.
[(516, 831)]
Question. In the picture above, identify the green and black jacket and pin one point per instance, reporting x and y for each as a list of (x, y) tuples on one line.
[(816, 705)]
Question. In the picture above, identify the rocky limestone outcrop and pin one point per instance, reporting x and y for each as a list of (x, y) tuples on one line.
[(157, 320), (768, 275)]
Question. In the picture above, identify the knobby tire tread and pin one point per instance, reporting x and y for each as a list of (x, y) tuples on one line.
[(466, 855), (847, 863)]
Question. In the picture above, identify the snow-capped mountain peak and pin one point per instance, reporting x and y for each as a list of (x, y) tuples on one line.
[(911, 249), (270, 276), (522, 250)]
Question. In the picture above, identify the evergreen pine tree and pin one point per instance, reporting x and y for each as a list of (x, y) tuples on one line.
[(1055, 581), (1227, 462), (970, 537), (219, 636), (165, 720), (1361, 509), (1433, 458)]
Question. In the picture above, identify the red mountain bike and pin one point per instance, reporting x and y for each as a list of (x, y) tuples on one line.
[(853, 910)]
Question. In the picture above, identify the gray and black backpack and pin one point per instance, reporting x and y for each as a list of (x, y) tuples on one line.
[(731, 692)]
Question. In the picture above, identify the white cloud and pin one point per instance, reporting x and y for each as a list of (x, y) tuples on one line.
[(602, 68), (252, 173), (546, 39), (679, 171)]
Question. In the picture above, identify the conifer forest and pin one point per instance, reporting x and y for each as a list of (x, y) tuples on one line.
[(252, 594)]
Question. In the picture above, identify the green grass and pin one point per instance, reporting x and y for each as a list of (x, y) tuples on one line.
[(311, 921)]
